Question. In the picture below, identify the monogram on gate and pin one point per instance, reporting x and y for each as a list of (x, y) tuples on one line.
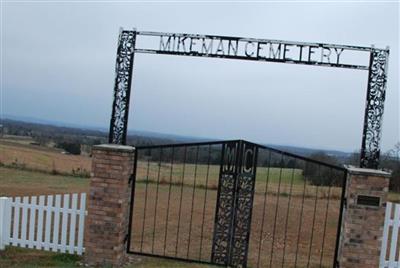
[(230, 158)]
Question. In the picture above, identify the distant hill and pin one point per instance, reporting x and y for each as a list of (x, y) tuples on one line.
[(308, 151), (27, 126)]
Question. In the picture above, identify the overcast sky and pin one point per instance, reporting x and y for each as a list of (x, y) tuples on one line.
[(58, 62)]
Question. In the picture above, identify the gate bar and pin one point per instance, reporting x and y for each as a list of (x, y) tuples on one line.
[(340, 221)]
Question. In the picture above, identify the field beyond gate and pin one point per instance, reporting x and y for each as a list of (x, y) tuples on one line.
[(295, 212)]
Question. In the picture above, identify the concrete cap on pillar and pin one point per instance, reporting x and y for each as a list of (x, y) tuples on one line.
[(367, 171), (114, 147)]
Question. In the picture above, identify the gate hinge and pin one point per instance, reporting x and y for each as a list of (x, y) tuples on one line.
[(131, 178), (126, 239)]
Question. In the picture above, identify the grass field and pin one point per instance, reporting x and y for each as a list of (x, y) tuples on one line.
[(24, 155), (276, 222), (16, 182), (28, 258), (277, 227)]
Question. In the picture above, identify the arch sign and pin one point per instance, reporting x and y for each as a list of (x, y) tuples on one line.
[(371, 59)]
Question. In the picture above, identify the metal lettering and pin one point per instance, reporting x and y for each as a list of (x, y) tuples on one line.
[(274, 54), (220, 48), (181, 40), (285, 49), (204, 49), (245, 49), (166, 46), (323, 55), (338, 54), (310, 52), (259, 48), (192, 43), (230, 158), (234, 48), (248, 160), (301, 52)]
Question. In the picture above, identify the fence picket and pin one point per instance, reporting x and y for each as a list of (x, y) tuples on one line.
[(385, 234), (73, 223), (56, 225), (4, 222), (32, 216), (17, 203), (82, 211), (395, 232), (24, 223), (39, 235), (64, 223), (37, 222), (47, 228), (7, 224)]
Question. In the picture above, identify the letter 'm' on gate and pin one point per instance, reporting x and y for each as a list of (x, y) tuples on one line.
[(230, 158)]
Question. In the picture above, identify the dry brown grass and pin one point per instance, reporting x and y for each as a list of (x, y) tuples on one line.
[(165, 232), (42, 158), (16, 182)]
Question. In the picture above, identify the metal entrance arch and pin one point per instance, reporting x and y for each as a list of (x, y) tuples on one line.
[(318, 54)]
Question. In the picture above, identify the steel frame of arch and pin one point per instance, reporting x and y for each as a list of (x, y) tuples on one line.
[(375, 97)]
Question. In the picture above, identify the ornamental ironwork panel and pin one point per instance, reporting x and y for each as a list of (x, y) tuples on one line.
[(370, 149), (234, 204), (122, 87), (243, 204), (225, 204)]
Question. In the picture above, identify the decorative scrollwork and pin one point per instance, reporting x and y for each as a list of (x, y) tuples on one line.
[(370, 150), (123, 78), (222, 230), (234, 205), (225, 204), (243, 206)]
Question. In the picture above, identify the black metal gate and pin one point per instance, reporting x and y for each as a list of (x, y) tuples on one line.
[(235, 203)]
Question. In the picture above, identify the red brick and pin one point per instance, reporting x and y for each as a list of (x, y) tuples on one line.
[(108, 208), (362, 230)]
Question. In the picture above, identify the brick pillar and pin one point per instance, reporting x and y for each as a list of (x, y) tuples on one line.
[(362, 228), (108, 207)]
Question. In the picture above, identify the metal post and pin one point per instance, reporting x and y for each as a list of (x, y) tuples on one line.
[(377, 76), (122, 87)]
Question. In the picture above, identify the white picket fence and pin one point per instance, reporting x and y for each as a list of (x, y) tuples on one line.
[(390, 250), (52, 222)]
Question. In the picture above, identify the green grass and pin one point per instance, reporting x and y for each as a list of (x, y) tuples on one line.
[(201, 172), (20, 182), (26, 258), (31, 258), (147, 262), (285, 181)]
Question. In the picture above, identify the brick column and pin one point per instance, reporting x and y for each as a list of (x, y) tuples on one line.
[(362, 228), (108, 208)]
